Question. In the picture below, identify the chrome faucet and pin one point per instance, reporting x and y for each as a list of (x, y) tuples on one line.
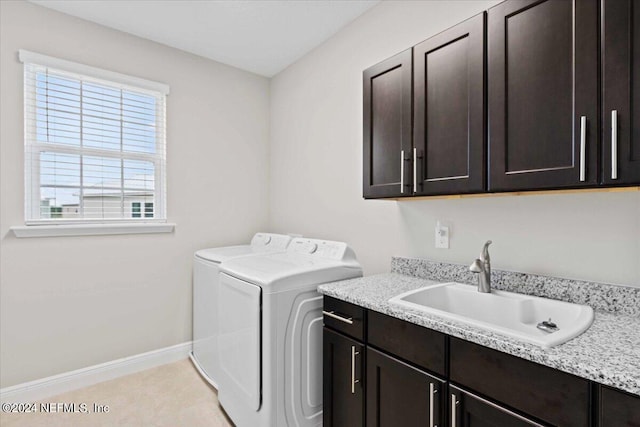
[(482, 266)]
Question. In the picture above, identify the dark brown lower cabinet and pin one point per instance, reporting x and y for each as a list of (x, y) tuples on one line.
[(422, 347), (469, 410), (403, 374), (618, 409), (555, 397), (400, 395), (343, 386)]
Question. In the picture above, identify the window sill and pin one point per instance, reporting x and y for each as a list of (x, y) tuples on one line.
[(58, 230)]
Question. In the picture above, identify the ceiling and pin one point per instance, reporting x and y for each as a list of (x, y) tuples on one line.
[(261, 36)]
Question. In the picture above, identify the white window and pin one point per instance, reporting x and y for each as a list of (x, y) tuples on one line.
[(94, 144)]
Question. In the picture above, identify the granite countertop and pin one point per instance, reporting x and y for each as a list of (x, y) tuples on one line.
[(608, 352)]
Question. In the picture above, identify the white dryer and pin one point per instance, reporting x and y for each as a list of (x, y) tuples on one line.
[(206, 268), (270, 338)]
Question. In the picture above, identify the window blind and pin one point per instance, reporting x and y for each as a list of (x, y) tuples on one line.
[(94, 148)]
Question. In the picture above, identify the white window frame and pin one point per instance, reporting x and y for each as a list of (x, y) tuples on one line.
[(33, 149)]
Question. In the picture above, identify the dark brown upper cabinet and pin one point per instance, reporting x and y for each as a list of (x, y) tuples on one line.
[(387, 127), (449, 111), (621, 98), (543, 94)]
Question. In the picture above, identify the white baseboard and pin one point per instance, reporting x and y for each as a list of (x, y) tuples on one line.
[(68, 381)]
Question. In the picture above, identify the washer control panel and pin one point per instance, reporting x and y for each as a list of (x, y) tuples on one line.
[(270, 241), (318, 248)]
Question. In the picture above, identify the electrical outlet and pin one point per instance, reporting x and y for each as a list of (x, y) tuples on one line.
[(442, 236)]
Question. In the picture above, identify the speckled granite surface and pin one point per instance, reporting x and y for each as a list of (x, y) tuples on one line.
[(608, 352), (600, 296)]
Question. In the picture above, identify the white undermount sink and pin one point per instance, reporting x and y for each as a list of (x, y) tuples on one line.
[(506, 313)]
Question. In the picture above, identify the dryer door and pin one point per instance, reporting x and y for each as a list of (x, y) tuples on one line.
[(239, 323)]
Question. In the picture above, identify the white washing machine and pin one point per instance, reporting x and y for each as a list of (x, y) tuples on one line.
[(270, 338), (206, 268)]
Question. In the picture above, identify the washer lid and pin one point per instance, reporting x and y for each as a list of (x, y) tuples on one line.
[(260, 243), (221, 254), (306, 262)]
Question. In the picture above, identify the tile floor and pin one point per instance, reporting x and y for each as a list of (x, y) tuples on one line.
[(171, 395)]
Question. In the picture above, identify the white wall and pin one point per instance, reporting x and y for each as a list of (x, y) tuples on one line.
[(316, 172), (72, 302)]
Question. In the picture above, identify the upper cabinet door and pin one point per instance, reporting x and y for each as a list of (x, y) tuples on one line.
[(387, 127), (543, 94), (449, 119), (621, 94)]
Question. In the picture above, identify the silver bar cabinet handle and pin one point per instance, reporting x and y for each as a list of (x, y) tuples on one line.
[(583, 148), (415, 168), (432, 392), (614, 144), (354, 353), (402, 172), (454, 405), (348, 320)]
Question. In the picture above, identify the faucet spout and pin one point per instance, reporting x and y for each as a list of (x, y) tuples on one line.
[(482, 267), (484, 256)]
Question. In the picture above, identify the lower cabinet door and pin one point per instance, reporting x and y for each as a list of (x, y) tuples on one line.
[(618, 409), (468, 410), (343, 383), (400, 395)]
